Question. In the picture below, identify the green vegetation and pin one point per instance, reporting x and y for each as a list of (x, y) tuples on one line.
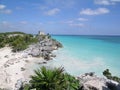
[(17, 40), (8, 33), (107, 74), (52, 79), (20, 41)]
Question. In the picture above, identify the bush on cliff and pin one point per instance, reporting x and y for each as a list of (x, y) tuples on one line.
[(52, 79), (20, 41), (108, 75), (17, 40)]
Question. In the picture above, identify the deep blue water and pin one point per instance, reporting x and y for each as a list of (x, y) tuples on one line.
[(82, 54)]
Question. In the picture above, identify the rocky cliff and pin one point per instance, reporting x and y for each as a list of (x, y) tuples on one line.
[(44, 47), (89, 81)]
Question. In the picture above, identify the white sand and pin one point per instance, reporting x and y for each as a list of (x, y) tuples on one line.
[(10, 67)]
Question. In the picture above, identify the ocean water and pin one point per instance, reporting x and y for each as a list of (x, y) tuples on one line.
[(81, 54)]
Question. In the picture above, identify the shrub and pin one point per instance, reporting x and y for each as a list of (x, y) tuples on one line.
[(70, 82), (108, 75), (17, 40), (53, 79)]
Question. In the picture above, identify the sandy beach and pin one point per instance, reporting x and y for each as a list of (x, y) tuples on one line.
[(15, 66)]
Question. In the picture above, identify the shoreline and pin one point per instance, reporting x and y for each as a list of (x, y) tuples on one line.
[(14, 66), (19, 69), (17, 59)]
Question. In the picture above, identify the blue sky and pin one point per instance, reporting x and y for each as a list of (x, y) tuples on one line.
[(77, 17)]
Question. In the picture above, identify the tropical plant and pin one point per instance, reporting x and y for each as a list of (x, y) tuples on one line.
[(46, 79), (70, 82), (108, 75), (53, 79), (17, 40)]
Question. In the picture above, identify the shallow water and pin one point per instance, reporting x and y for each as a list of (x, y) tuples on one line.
[(83, 54)]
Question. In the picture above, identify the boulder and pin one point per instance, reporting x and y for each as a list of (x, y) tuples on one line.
[(52, 55), (22, 69), (89, 81), (35, 52), (113, 85), (19, 84), (43, 48), (6, 56)]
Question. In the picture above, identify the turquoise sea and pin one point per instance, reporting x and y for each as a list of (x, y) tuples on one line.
[(81, 54)]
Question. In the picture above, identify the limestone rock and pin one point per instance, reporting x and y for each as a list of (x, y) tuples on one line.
[(19, 84), (90, 81), (43, 48)]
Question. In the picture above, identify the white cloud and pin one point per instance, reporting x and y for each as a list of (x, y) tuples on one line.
[(77, 24), (3, 10), (73, 23), (103, 2), (60, 3), (23, 22), (106, 2), (19, 8), (82, 19), (6, 24), (52, 11), (68, 22), (43, 7), (40, 23), (2, 6), (6, 11), (98, 11), (115, 0)]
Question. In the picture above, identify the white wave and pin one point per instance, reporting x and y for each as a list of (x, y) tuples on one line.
[(76, 66)]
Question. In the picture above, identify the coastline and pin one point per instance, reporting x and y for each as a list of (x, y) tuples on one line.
[(14, 66), (20, 68), (87, 53)]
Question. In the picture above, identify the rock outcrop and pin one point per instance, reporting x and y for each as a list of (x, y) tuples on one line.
[(43, 48), (90, 81)]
